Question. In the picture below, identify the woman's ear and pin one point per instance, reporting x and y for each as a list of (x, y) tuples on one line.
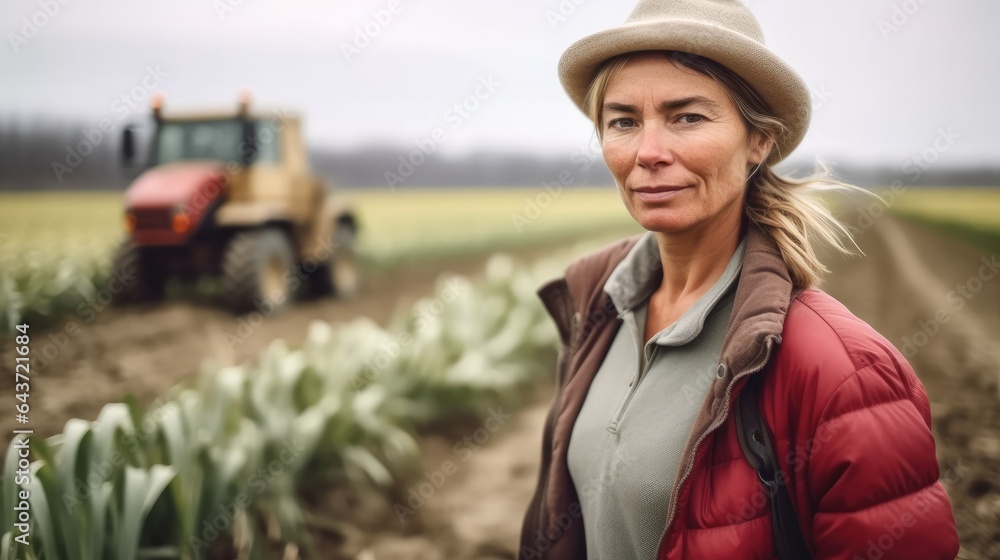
[(760, 147)]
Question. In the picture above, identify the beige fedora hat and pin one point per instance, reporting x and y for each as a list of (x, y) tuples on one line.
[(721, 30)]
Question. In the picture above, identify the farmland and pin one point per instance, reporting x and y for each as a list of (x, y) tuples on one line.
[(970, 214), (479, 375), (178, 348), (414, 223), (55, 248)]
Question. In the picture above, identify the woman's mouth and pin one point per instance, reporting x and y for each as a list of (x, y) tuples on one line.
[(658, 193)]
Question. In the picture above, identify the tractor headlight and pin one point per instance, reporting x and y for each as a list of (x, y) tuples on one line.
[(179, 221)]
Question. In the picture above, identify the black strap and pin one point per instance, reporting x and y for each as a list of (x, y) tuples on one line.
[(755, 439)]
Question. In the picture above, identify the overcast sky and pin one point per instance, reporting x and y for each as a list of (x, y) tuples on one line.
[(885, 91)]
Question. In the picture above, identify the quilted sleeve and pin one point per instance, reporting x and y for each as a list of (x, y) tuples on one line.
[(875, 482)]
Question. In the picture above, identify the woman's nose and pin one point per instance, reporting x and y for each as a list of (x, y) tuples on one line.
[(654, 148)]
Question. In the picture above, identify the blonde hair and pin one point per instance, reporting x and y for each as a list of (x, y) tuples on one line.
[(789, 210)]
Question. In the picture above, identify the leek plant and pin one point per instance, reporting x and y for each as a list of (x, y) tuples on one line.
[(220, 463)]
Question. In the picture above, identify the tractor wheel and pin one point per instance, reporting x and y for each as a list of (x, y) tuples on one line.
[(136, 273), (339, 275), (256, 269)]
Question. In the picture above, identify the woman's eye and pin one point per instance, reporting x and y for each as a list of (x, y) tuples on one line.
[(621, 123), (691, 118)]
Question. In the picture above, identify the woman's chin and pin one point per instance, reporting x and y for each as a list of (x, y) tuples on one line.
[(663, 220)]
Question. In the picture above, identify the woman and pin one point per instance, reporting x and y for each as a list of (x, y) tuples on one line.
[(642, 455)]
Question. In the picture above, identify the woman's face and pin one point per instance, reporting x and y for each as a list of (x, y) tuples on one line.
[(676, 146)]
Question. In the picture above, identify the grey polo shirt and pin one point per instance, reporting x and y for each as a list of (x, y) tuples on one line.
[(626, 444)]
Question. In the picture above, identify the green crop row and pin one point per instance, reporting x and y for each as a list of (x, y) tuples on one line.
[(37, 286), (55, 251), (219, 465)]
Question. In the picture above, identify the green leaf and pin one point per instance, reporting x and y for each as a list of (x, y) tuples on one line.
[(142, 489), (74, 469), (369, 464), (179, 444), (6, 550), (113, 419), (182, 455), (99, 515), (43, 521)]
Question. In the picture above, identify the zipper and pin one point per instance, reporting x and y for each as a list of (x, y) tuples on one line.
[(771, 339), (633, 386)]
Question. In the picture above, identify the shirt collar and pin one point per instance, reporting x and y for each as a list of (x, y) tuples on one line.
[(639, 274)]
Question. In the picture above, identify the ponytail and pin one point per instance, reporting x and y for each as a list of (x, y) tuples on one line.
[(794, 215)]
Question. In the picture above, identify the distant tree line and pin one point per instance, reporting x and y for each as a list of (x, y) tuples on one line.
[(43, 154), (39, 154)]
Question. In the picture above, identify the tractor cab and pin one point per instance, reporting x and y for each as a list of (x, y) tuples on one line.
[(223, 181)]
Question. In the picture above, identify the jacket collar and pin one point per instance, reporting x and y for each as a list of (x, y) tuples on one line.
[(763, 294)]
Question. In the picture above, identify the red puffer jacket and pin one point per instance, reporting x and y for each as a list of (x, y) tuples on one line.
[(850, 420)]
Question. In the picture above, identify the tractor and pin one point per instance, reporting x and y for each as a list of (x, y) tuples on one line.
[(230, 194)]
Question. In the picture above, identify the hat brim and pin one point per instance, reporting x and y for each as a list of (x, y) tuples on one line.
[(780, 86)]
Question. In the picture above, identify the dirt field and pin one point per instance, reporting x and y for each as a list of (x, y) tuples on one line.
[(901, 288)]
